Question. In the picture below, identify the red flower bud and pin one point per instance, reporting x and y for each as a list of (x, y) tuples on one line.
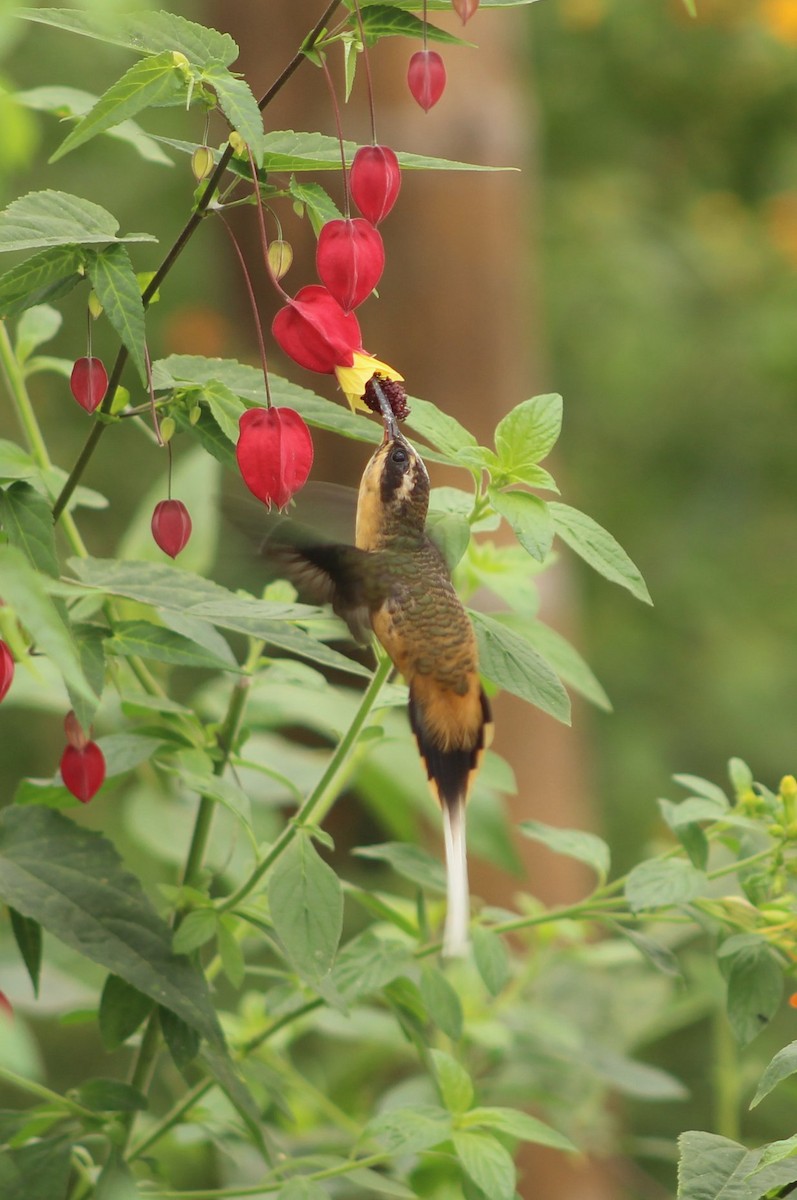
[(315, 332), (6, 669), (374, 181), (75, 733), (89, 383), (5, 1007), (171, 526), (83, 770), (350, 259), (274, 452), (426, 78), (465, 9)]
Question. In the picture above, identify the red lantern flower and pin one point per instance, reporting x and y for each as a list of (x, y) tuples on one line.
[(171, 526), (374, 181), (465, 9), (6, 669), (315, 332), (82, 763), (274, 452), (350, 258), (89, 383), (426, 78)]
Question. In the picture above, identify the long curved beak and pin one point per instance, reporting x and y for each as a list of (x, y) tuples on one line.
[(391, 425)]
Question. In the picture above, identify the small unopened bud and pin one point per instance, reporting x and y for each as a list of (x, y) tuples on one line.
[(167, 427), (280, 257), (95, 308), (238, 144), (195, 414), (180, 60), (788, 786), (201, 163), (89, 383), (171, 526), (6, 669)]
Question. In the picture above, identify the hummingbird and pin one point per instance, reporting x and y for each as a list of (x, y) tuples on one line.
[(394, 581)]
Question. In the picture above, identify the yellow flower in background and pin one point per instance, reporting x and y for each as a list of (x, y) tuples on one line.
[(780, 18)]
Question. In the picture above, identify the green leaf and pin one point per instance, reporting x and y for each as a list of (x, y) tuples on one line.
[(657, 955), (574, 843), (142, 32), (691, 8), (454, 1082), (755, 987), (528, 517), (145, 640), (57, 219), (15, 463), (368, 963), (181, 1040), (116, 1181), (409, 1130), (72, 881), (37, 325), (153, 81), (564, 658), (39, 1171), (451, 534), (114, 280), (509, 661), (232, 958), (122, 1009), (775, 1152), (111, 1095), (781, 1067), (27, 520), (306, 904), (314, 201), (46, 276), (440, 429), (487, 1163), (225, 407), (64, 102), (28, 936), (411, 862), (229, 1080), (491, 958), (195, 930), (239, 106), (598, 548), (442, 1002), (520, 1125), (713, 1167), (385, 20), (302, 1189), (23, 590), (662, 882), (528, 433)]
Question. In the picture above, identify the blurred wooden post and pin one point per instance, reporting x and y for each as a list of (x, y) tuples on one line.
[(457, 315)]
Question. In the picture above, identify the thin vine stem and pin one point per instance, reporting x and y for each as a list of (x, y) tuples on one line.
[(185, 235)]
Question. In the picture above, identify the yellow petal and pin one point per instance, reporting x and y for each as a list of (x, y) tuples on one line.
[(353, 379)]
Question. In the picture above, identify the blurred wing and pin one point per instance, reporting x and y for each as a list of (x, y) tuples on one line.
[(324, 573)]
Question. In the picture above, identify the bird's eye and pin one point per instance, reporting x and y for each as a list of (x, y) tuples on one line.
[(398, 456)]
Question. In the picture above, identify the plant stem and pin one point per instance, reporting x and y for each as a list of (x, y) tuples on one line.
[(725, 1076), (172, 255), (44, 1093), (323, 794), (344, 1168)]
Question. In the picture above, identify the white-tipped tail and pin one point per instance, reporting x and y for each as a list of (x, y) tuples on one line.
[(455, 937)]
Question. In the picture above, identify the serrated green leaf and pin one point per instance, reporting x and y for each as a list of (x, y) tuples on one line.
[(315, 201), (563, 657), (598, 548), (15, 463), (442, 1002), (38, 1171), (238, 105), (116, 1181), (72, 881), (659, 956), (517, 1124), (411, 862), (662, 882), (454, 1082), (28, 936), (37, 325), (487, 1163), (451, 534), (152, 81), (52, 218), (510, 662), (27, 520), (755, 987), (145, 640), (142, 32), (111, 1095), (440, 429), (779, 1068), (529, 519), (574, 843), (529, 432), (114, 280), (228, 1078), (195, 930), (491, 958), (232, 959), (775, 1152), (46, 276), (226, 408), (301, 1189), (409, 1130), (122, 1009), (368, 963), (182, 1041), (713, 1167), (306, 905), (66, 102), (23, 590), (386, 20)]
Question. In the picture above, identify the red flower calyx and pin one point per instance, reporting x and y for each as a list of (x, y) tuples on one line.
[(375, 181), (426, 78), (315, 332), (171, 526), (82, 763), (89, 383), (350, 259), (6, 669), (274, 452)]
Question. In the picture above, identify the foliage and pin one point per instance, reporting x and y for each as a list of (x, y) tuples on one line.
[(230, 723)]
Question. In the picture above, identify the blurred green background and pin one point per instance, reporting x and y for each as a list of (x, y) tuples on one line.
[(667, 270)]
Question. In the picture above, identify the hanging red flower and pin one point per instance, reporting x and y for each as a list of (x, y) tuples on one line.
[(375, 181), (350, 258), (274, 452)]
